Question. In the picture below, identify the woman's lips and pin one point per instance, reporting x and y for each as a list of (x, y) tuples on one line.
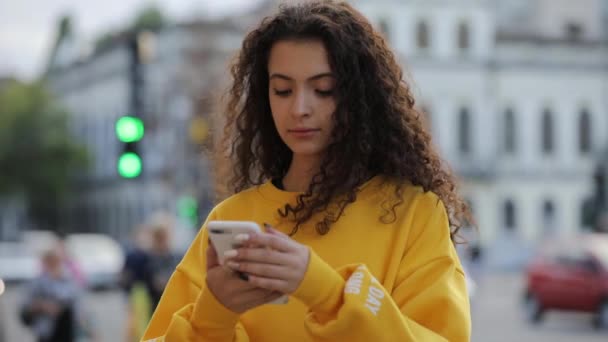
[(303, 132)]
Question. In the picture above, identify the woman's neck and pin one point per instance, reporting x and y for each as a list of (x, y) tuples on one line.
[(300, 173)]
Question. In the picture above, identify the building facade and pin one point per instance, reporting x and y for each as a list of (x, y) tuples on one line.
[(515, 96), (513, 93), (95, 89)]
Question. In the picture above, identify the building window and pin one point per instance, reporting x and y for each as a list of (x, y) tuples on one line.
[(548, 216), (510, 218), (587, 213), (385, 28), (422, 35), (547, 133), (464, 131), (574, 31), (584, 132), (509, 138), (463, 36)]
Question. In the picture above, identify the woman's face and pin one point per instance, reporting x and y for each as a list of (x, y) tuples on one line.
[(301, 93)]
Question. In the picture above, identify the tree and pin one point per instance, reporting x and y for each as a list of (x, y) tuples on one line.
[(149, 18), (38, 158), (104, 40)]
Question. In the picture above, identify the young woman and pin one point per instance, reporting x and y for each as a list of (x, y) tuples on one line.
[(360, 214)]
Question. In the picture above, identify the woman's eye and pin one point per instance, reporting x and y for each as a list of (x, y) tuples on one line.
[(325, 93), (282, 93)]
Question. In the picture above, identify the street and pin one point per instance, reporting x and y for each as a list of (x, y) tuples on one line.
[(107, 310), (497, 316)]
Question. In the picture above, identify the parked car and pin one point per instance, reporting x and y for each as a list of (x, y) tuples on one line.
[(20, 260), (17, 264), (99, 257), (569, 274)]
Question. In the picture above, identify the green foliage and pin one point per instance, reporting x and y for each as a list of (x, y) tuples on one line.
[(149, 18), (104, 40), (38, 157)]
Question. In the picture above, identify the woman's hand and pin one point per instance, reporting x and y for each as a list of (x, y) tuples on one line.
[(233, 292), (272, 260)]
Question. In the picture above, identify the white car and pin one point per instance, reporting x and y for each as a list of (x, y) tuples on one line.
[(20, 260), (17, 263), (99, 257)]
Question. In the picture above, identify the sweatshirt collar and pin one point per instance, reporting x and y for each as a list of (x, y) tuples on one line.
[(271, 192)]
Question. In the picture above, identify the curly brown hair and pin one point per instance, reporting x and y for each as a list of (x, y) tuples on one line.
[(378, 130)]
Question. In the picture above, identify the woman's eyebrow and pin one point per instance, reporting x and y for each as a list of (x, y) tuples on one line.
[(313, 78)]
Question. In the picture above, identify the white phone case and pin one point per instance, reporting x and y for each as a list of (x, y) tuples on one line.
[(223, 236)]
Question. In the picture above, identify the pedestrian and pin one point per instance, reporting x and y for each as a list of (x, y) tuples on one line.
[(161, 260), (134, 277), (71, 264), (52, 306), (360, 213)]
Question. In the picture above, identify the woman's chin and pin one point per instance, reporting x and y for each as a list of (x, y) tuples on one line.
[(307, 152)]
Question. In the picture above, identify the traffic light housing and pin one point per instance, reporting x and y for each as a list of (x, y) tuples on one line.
[(130, 128)]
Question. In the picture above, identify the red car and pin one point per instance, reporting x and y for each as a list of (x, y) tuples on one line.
[(569, 274)]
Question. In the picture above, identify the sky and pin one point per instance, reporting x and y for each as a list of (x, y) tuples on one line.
[(28, 27)]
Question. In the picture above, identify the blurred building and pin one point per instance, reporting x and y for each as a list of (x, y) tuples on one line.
[(180, 71), (513, 92), (515, 95), (13, 217)]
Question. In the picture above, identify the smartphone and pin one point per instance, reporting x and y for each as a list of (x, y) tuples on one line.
[(223, 236)]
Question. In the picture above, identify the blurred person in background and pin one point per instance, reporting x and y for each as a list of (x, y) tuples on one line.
[(133, 282), (149, 264), (359, 211), (161, 259), (474, 270), (136, 256), (475, 261), (70, 264), (52, 307)]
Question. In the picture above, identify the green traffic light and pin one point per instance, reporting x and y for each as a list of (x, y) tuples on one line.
[(129, 129), (129, 165), (187, 206)]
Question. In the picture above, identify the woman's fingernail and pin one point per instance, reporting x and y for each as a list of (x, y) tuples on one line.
[(242, 237), (269, 228), (231, 253), (232, 264)]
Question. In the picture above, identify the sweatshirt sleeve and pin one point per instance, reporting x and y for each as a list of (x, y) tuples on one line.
[(428, 302), (188, 311)]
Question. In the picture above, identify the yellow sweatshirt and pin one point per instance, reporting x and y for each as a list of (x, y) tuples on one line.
[(366, 280)]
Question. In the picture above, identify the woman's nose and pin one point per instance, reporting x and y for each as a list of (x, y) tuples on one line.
[(301, 104)]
